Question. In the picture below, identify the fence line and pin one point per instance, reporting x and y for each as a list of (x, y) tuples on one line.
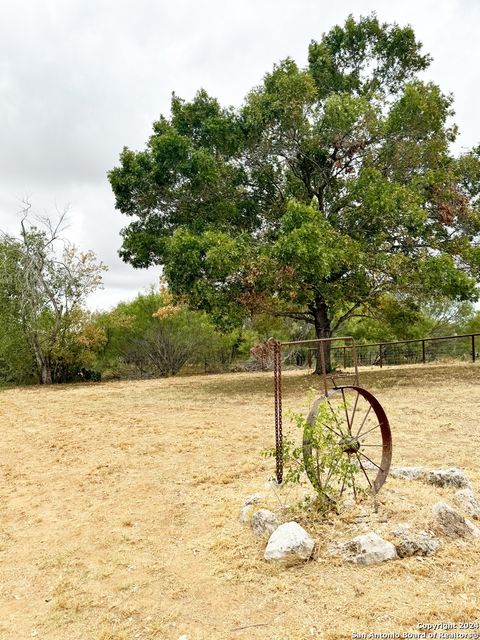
[(419, 350)]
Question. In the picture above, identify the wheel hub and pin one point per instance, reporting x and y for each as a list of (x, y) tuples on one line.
[(349, 444)]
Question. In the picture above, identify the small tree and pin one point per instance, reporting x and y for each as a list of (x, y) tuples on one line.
[(154, 337), (44, 280)]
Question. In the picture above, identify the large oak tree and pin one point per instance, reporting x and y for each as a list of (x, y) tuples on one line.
[(330, 187)]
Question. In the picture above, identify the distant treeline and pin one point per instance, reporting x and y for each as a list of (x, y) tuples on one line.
[(152, 337)]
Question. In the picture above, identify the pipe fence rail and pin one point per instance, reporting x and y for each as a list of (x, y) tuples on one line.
[(417, 351)]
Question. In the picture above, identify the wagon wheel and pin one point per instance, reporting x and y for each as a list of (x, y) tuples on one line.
[(362, 443)]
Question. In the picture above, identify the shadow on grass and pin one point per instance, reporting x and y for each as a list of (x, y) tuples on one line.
[(297, 382)]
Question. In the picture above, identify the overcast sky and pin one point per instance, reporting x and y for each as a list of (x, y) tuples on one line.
[(79, 79)]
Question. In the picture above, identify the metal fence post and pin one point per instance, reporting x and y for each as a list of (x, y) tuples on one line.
[(309, 358), (423, 352), (381, 355), (473, 348)]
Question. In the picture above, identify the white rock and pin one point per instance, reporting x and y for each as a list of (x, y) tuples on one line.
[(401, 529), (290, 542), (184, 637), (253, 499), (452, 477), (465, 499), (408, 473), (474, 530), (246, 513), (369, 548), (264, 522), (452, 524)]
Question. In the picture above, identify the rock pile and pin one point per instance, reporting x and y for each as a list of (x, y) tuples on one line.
[(289, 542)]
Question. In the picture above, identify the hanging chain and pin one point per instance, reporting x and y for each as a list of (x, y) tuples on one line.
[(277, 379)]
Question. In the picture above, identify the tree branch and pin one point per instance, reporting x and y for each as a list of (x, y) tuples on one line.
[(295, 315)]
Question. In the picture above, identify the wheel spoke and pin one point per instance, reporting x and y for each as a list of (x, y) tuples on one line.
[(335, 418), (343, 485), (364, 420), (377, 426), (340, 435), (318, 465), (349, 424), (354, 410), (364, 472), (374, 463), (330, 473)]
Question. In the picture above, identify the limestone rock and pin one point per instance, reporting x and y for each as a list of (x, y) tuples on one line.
[(414, 543), (369, 548), (452, 524), (466, 500), (253, 499), (264, 522), (246, 513), (408, 473), (403, 528), (452, 477), (474, 530), (289, 543)]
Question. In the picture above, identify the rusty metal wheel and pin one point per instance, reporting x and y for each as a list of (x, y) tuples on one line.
[(361, 432)]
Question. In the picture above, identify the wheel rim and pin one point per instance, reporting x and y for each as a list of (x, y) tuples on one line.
[(362, 433)]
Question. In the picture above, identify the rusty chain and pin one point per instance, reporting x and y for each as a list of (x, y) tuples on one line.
[(277, 377)]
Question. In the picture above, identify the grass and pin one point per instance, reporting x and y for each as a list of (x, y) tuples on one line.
[(119, 512)]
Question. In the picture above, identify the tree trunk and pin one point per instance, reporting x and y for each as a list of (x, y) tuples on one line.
[(46, 373), (43, 363), (323, 329)]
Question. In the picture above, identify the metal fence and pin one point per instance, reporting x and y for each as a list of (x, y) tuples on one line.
[(423, 350)]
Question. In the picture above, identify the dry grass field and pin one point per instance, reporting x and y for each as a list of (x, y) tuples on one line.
[(120, 501)]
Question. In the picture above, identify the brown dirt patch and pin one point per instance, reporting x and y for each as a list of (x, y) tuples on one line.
[(119, 513)]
